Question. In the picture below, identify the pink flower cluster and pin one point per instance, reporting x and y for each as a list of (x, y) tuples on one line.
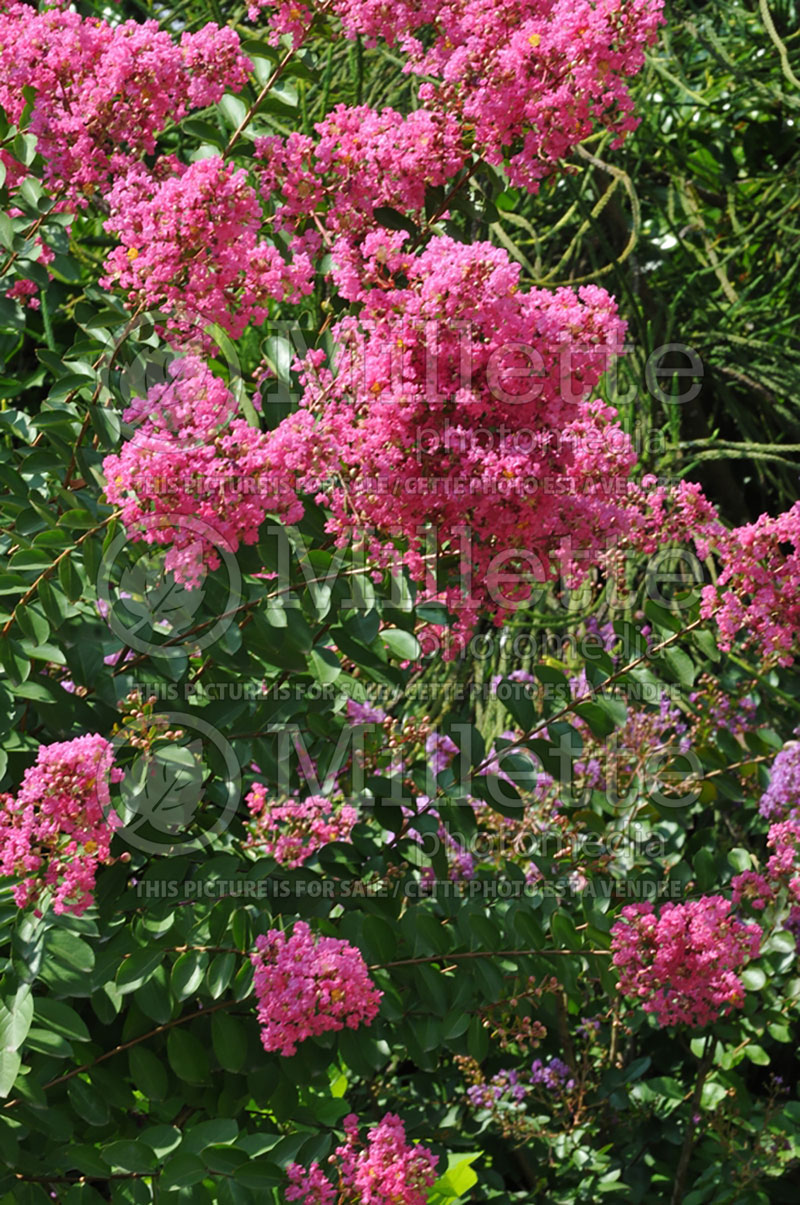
[(58, 828), (755, 600), (682, 962), (387, 1170), (307, 985), (461, 404), (781, 874), (103, 91), (757, 594), (324, 190), (196, 477), (291, 832), (528, 81), (191, 246)]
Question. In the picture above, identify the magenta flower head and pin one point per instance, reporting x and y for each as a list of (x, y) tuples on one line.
[(308, 985), (682, 962)]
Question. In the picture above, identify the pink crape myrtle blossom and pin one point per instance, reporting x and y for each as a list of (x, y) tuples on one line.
[(103, 92), (783, 865), (387, 1170), (528, 82), (191, 246), (778, 883), (290, 832), (324, 190), (196, 477), (757, 594), (308, 985), (292, 17), (460, 405), (755, 600), (57, 831), (682, 962)]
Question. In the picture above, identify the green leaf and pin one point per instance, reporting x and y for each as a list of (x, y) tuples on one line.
[(457, 1180), (69, 384), (182, 1171), (325, 664), (392, 219), (757, 1054), (148, 1073), (61, 1018), (78, 519), (681, 665), (9, 1068), (87, 1102), (187, 1057), (233, 109), (564, 933), (16, 1014), (46, 1042), (137, 969), (753, 978), (68, 963), (188, 973), (259, 1174), (129, 1156), (402, 645), (477, 1040), (229, 1039), (740, 860), (7, 235), (219, 1131), (220, 974), (379, 939), (162, 1139)]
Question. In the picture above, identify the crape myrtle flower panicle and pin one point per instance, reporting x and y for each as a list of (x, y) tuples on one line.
[(517, 450), (196, 477), (307, 985), (57, 830), (191, 246), (386, 1170), (293, 830), (782, 797), (681, 963), (103, 92), (529, 81), (756, 596)]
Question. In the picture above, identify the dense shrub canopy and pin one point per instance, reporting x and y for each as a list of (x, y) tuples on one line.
[(400, 606)]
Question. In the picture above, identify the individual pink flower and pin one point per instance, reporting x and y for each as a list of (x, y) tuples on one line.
[(307, 985)]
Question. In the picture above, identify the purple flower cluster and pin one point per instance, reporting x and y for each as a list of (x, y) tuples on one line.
[(781, 800), (504, 1085), (441, 750), (554, 1075)]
